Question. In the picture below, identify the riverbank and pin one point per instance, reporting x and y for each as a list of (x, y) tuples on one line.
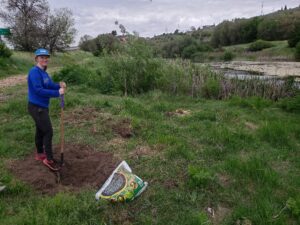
[(281, 69)]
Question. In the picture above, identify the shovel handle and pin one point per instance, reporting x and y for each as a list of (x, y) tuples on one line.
[(62, 101), (62, 141)]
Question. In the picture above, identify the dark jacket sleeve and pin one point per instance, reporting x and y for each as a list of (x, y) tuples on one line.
[(38, 88)]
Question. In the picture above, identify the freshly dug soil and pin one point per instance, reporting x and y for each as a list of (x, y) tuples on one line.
[(83, 168)]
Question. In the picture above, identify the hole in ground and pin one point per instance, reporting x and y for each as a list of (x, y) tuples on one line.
[(83, 168)]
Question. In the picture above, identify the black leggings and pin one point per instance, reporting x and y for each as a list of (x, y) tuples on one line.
[(44, 130)]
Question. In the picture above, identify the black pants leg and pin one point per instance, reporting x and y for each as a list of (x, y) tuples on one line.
[(44, 130), (39, 140)]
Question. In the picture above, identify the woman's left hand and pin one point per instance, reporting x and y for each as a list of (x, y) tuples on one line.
[(62, 84)]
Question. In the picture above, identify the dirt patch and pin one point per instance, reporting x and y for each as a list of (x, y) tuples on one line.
[(123, 128), (84, 168), (142, 151), (218, 214), (225, 180), (12, 81), (251, 126), (79, 116), (178, 112), (170, 184), (116, 142)]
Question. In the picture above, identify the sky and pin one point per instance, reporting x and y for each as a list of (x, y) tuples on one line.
[(155, 17)]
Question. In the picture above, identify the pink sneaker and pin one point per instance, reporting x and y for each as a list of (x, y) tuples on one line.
[(40, 156), (51, 164)]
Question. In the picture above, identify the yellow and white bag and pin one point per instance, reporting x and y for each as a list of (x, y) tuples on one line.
[(122, 185)]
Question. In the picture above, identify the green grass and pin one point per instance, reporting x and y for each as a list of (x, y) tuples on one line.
[(280, 49), (240, 154)]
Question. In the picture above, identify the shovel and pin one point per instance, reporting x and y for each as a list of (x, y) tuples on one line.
[(62, 141)]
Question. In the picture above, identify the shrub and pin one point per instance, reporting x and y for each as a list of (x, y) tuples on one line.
[(189, 51), (5, 52), (228, 56), (211, 88), (72, 74), (291, 104), (259, 45)]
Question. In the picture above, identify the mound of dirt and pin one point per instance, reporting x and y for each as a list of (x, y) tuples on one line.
[(123, 128), (83, 168)]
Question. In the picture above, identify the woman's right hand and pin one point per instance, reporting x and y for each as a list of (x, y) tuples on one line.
[(61, 91)]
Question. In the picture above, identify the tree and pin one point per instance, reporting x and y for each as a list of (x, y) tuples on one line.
[(107, 43), (268, 30), (33, 26), (122, 29), (85, 38), (295, 35), (58, 32), (25, 19), (87, 43)]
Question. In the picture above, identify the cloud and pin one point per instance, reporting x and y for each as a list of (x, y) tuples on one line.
[(148, 18)]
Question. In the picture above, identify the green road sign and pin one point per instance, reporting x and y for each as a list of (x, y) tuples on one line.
[(4, 31)]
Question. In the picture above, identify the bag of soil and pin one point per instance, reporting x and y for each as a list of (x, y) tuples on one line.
[(122, 185)]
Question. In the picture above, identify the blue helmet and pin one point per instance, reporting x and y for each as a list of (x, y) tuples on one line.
[(41, 51)]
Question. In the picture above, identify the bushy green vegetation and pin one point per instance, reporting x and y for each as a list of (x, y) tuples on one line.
[(228, 56), (297, 52), (259, 45), (291, 104), (280, 25), (295, 35), (5, 52), (103, 43), (136, 70)]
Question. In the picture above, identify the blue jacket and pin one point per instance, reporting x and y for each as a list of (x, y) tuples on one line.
[(40, 87)]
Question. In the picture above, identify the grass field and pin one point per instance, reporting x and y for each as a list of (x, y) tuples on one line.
[(280, 52), (239, 157)]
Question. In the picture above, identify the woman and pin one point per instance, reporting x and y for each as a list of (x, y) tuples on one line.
[(40, 89)]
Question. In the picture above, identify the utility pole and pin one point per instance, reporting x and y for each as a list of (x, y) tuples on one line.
[(262, 8)]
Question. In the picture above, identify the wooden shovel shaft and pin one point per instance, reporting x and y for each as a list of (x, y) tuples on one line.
[(62, 140)]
